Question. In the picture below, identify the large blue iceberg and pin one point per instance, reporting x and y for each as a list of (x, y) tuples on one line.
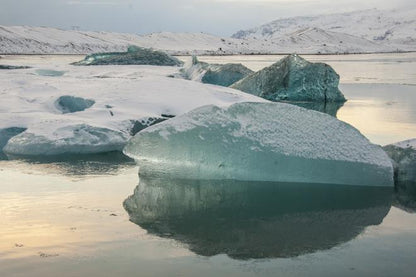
[(134, 55), (294, 79), (260, 142)]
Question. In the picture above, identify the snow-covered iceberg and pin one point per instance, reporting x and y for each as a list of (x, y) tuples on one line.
[(294, 79), (248, 220), (134, 55), (112, 103), (216, 74), (403, 155), (260, 142)]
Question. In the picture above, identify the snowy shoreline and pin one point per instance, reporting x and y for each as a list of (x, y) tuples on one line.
[(231, 55)]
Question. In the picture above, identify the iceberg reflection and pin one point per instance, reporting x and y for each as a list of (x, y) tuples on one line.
[(255, 219)]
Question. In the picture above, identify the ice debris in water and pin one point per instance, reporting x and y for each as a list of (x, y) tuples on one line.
[(403, 155), (246, 219), (134, 55), (73, 139), (216, 74), (260, 142), (294, 79), (5, 66), (71, 104)]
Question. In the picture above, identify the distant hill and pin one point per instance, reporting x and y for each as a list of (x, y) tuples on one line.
[(355, 32), (394, 29)]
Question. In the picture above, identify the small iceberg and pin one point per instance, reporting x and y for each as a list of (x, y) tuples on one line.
[(8, 67), (134, 56), (403, 155), (260, 142), (71, 139), (216, 74), (294, 79)]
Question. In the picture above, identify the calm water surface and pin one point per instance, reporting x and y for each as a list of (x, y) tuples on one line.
[(72, 218)]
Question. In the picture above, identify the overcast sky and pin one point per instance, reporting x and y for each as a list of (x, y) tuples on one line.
[(221, 17)]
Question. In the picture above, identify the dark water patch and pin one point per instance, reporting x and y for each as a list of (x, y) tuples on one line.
[(330, 108)]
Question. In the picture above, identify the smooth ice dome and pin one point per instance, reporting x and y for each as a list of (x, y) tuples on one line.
[(134, 55), (216, 74), (260, 142), (75, 139), (294, 79)]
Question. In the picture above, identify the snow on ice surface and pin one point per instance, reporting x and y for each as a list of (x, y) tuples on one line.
[(123, 95), (260, 142), (406, 144), (294, 79)]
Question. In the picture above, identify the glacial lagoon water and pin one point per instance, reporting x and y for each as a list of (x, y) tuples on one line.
[(94, 217)]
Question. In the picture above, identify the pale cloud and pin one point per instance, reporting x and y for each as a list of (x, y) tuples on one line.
[(222, 17)]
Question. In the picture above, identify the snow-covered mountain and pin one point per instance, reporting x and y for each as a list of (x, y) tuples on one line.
[(355, 32), (391, 28), (46, 40)]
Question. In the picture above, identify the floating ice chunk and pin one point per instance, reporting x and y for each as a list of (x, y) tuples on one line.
[(261, 142), (4, 66), (72, 104), (216, 74), (48, 72), (294, 79), (255, 219), (403, 155), (74, 139), (134, 55)]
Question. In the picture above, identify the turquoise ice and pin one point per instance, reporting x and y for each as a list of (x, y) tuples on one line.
[(216, 74), (260, 142), (134, 55), (294, 79)]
